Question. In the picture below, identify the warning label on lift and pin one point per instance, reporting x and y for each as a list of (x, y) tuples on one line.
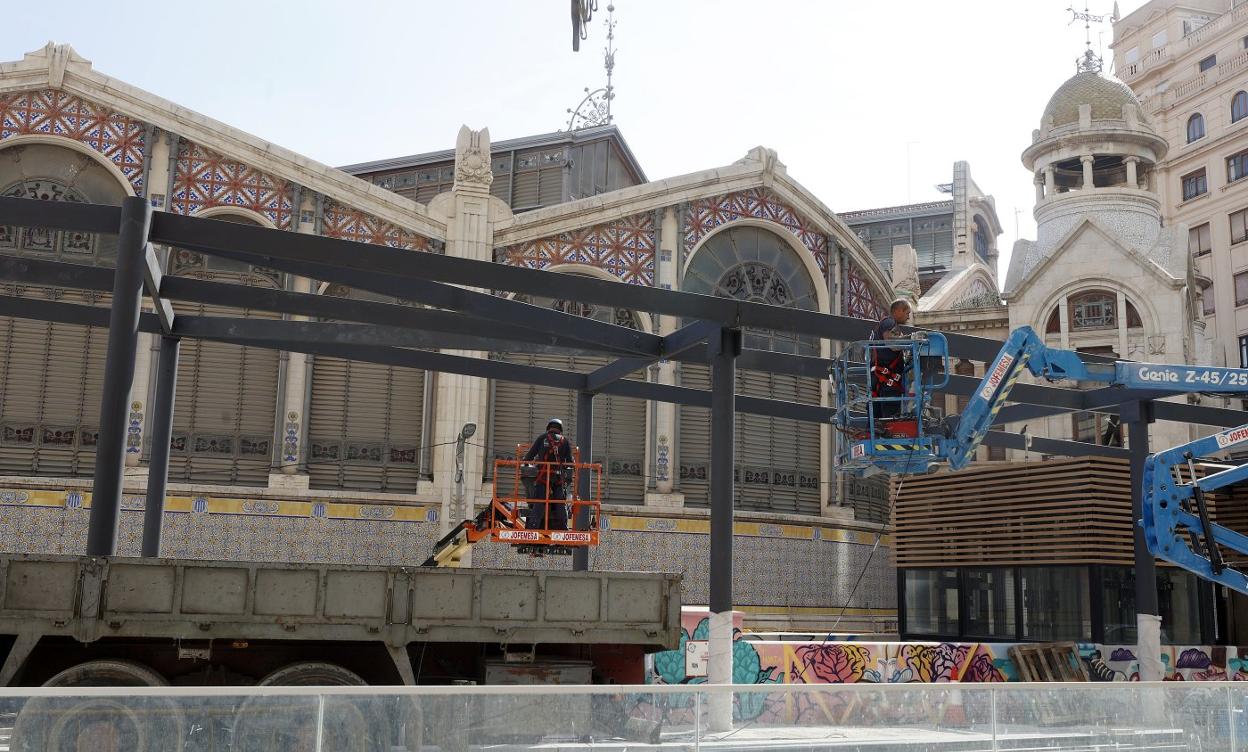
[(1233, 436), (998, 373), (858, 450), (519, 535)]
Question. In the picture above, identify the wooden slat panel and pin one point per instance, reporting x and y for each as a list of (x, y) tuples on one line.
[(1054, 512)]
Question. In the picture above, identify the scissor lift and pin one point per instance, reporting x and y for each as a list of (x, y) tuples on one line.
[(504, 520)]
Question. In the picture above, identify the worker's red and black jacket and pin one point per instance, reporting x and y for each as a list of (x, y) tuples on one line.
[(887, 364), (550, 448)]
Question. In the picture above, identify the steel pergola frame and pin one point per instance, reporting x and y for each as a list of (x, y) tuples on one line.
[(454, 313)]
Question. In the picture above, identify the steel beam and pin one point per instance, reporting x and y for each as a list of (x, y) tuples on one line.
[(724, 352), (584, 481), (123, 338), (162, 433), (1042, 445), (1137, 416), (675, 344), (62, 215), (447, 296), (151, 282), (329, 332)]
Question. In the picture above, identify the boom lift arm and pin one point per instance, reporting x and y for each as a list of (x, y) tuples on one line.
[(1176, 520)]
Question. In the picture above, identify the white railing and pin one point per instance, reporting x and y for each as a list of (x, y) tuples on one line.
[(1204, 32), (1234, 65), (880, 717)]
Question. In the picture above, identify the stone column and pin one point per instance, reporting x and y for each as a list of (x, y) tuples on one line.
[(1039, 181), (664, 412), (1133, 179), (1063, 316), (1121, 308), (464, 399), (154, 192), (1088, 182), (1050, 180)]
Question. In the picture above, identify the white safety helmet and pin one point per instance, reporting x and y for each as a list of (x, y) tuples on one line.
[(555, 422)]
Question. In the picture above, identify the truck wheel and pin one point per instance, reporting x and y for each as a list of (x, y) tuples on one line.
[(276, 723), (106, 724)]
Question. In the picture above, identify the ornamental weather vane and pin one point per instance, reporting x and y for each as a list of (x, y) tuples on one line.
[(1089, 62), (595, 108)]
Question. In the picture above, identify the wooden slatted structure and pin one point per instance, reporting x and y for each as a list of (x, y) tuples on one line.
[(1060, 511), (1067, 511)]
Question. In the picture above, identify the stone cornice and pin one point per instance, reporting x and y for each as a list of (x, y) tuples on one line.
[(37, 70)]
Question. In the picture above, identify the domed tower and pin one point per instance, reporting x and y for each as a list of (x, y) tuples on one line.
[(1095, 153), (1103, 275)]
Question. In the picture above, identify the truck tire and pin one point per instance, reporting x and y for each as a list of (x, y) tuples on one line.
[(352, 724), (107, 724)]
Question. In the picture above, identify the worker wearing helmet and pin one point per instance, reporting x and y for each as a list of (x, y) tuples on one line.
[(548, 507), (887, 364)]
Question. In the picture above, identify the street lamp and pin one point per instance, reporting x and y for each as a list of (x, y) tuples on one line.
[(465, 433)]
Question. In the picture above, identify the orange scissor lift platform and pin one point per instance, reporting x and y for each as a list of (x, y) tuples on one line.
[(505, 519)]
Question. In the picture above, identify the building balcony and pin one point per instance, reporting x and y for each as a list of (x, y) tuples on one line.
[(1153, 60), (1202, 82)]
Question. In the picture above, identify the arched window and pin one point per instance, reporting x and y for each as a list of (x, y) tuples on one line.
[(52, 372), (777, 460), (520, 411), (1195, 127), (982, 246), (1093, 310), (1239, 106), (226, 405)]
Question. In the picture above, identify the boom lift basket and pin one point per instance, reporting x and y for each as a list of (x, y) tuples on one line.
[(906, 441), (514, 484)]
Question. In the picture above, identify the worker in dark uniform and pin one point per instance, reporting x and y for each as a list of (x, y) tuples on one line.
[(888, 365), (548, 507)]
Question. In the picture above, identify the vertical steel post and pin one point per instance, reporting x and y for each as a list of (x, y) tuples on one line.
[(584, 480), (723, 350), (123, 338), (1137, 416), (162, 432)]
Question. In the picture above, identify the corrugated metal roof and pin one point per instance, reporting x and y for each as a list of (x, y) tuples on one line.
[(610, 132)]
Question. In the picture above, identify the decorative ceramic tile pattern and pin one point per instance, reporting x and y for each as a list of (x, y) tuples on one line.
[(55, 521), (861, 301), (352, 224), (625, 248), (758, 203), (206, 179), (55, 113)]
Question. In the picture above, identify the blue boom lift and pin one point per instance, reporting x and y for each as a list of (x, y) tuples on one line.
[(917, 439)]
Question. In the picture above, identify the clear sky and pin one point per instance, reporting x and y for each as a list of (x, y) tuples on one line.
[(854, 96)]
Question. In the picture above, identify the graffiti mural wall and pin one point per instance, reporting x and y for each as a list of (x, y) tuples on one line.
[(850, 661)]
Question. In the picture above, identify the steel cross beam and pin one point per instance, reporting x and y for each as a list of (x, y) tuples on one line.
[(674, 344), (491, 335), (83, 315), (152, 276), (438, 294)]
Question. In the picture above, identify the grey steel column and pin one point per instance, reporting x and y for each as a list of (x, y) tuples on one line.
[(162, 432), (1137, 416), (584, 481), (123, 338), (724, 353)]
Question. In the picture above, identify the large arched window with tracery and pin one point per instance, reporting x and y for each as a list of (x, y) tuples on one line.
[(777, 460), (51, 374), (225, 411), (520, 411)]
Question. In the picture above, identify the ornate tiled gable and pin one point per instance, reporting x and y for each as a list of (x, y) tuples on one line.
[(54, 113), (206, 179), (705, 215), (346, 223), (623, 248)]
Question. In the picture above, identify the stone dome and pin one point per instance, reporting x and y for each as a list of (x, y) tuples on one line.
[(1106, 96)]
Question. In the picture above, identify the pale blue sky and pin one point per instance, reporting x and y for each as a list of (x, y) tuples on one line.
[(837, 88)]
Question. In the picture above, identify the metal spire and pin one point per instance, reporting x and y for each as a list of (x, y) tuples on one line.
[(1089, 62), (595, 108)]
